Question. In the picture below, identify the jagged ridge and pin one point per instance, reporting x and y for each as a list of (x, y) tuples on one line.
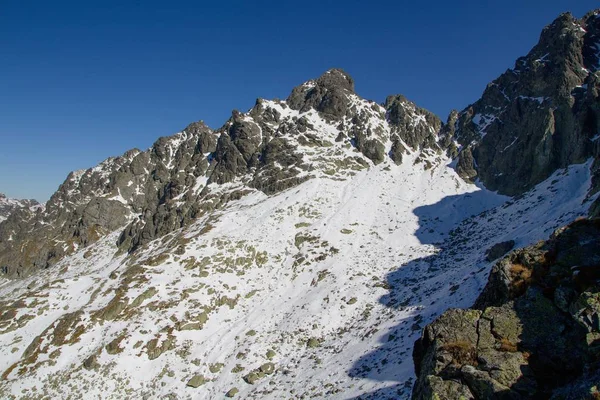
[(541, 115), (323, 128)]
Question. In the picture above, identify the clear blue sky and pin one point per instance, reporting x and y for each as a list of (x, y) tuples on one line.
[(84, 80)]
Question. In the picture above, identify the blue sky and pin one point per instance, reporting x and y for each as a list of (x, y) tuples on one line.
[(82, 81)]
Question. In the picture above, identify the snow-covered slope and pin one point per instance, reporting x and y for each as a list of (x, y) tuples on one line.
[(295, 252), (324, 286)]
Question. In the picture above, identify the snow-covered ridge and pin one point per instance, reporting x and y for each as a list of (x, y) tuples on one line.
[(316, 285)]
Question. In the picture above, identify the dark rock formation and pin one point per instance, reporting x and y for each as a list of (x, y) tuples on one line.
[(8, 206), (541, 115), (327, 94), (534, 332), (414, 126), (499, 249)]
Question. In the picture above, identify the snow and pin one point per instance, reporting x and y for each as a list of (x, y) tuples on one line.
[(382, 236), (509, 146), (597, 47), (543, 58), (358, 259), (483, 121), (540, 100), (9, 205)]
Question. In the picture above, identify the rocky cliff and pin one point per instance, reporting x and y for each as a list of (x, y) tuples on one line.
[(8, 206), (541, 115), (534, 331), (323, 128)]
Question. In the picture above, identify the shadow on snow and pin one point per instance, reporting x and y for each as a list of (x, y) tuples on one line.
[(423, 288)]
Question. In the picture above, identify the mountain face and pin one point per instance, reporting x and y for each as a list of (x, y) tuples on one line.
[(323, 129), (8, 206), (298, 250), (541, 115)]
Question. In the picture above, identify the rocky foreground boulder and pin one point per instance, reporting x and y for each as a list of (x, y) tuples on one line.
[(534, 332)]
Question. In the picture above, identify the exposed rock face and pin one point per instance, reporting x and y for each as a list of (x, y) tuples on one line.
[(323, 128), (541, 115), (533, 333), (7, 206), (412, 126), (328, 94), (499, 249), (91, 203)]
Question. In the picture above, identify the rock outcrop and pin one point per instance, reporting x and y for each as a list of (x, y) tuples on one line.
[(8, 206), (323, 128), (541, 115), (534, 332)]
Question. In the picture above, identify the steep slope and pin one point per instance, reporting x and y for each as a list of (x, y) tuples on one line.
[(300, 294), (8, 206), (324, 128), (295, 252), (541, 115)]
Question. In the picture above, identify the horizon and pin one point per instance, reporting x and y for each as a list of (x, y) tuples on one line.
[(100, 81)]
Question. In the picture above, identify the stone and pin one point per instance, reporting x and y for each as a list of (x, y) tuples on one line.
[(499, 249), (267, 368), (196, 381), (538, 341), (253, 377)]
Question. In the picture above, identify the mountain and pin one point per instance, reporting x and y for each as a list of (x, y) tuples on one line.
[(8, 206), (297, 251), (323, 129), (539, 116)]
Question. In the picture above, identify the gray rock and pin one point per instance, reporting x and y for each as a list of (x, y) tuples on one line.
[(538, 116), (196, 381), (519, 342), (415, 126), (327, 94), (499, 249), (8, 206)]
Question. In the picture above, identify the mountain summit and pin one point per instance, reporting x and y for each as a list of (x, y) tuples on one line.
[(322, 129), (298, 250), (541, 115)]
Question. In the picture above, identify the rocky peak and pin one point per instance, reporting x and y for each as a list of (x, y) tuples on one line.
[(416, 127), (323, 129), (591, 45), (537, 117), (334, 79), (327, 94), (8, 205)]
